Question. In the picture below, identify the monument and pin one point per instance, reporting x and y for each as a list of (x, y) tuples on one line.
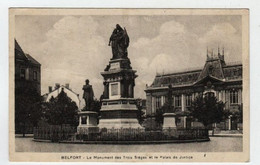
[(169, 124), (88, 115), (119, 108)]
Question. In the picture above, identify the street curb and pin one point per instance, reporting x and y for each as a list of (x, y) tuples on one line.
[(126, 142)]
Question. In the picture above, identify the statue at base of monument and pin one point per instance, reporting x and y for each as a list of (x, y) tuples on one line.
[(88, 95), (119, 41)]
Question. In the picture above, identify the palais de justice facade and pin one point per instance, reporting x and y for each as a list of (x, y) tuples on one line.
[(218, 78)]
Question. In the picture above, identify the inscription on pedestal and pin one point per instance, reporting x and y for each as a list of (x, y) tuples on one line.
[(114, 90), (115, 65)]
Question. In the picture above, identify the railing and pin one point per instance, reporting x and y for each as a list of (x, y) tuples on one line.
[(58, 133), (54, 132), (141, 135)]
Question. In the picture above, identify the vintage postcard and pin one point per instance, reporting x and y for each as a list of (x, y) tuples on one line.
[(129, 85)]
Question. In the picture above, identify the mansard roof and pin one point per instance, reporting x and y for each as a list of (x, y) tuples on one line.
[(176, 79), (214, 68), (233, 71)]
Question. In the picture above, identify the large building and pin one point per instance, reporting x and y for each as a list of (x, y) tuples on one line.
[(27, 70), (216, 77)]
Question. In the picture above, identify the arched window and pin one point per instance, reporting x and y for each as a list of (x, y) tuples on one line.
[(233, 97), (209, 94)]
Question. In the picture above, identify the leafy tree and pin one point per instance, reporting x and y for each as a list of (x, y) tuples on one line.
[(208, 110), (27, 102), (96, 106), (140, 112), (61, 110), (237, 114), (159, 116)]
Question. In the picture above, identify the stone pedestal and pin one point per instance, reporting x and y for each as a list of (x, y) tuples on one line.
[(169, 126), (169, 121), (87, 122), (119, 108), (119, 113)]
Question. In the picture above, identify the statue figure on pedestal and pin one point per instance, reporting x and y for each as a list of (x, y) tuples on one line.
[(119, 41), (88, 95)]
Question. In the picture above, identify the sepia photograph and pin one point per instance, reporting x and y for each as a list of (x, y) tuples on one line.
[(168, 85)]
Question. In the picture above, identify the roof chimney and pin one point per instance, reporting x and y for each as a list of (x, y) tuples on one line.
[(57, 85), (50, 89), (67, 86)]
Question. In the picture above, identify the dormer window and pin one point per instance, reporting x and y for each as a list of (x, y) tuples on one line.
[(210, 69)]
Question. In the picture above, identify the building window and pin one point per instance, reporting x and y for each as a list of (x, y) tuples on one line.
[(235, 73), (83, 120), (158, 102), (114, 89), (177, 101), (233, 97), (34, 75), (188, 100), (22, 74)]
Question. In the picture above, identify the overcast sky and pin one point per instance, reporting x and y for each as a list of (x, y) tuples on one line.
[(74, 48)]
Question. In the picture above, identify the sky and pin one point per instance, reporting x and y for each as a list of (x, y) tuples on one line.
[(74, 48)]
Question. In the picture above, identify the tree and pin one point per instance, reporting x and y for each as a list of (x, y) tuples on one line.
[(159, 116), (140, 112), (27, 101), (61, 110), (96, 106), (208, 110), (237, 114)]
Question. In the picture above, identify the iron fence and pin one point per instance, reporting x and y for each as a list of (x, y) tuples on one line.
[(54, 132), (57, 133)]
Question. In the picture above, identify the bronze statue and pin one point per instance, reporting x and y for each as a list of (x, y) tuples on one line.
[(120, 42), (88, 95)]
